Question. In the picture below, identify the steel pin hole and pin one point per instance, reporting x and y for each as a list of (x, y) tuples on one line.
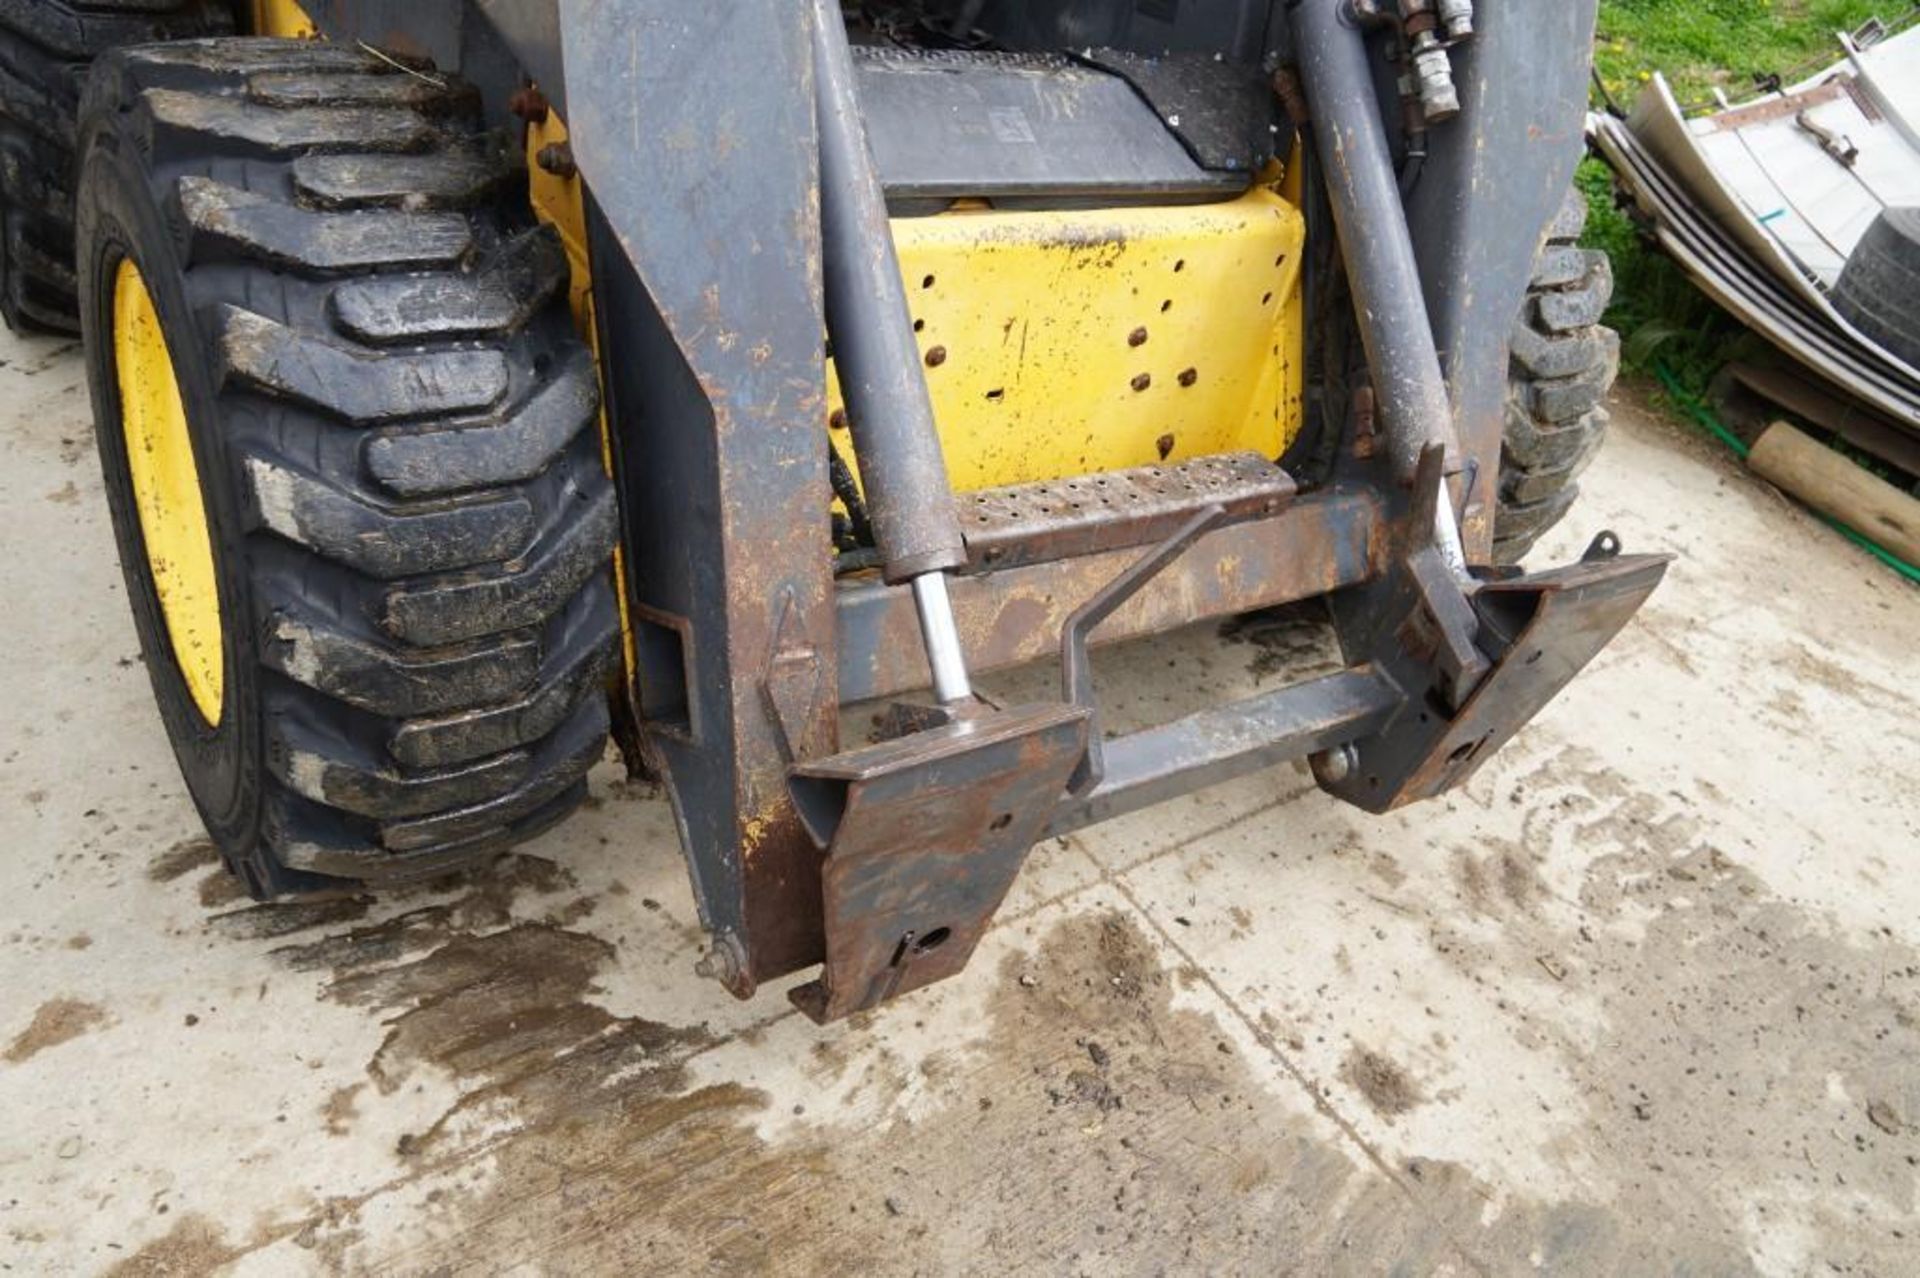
[(1001, 822), (932, 940)]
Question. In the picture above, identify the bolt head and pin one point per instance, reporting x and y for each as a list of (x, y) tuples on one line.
[(1332, 767)]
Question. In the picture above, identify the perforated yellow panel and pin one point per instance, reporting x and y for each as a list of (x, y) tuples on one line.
[(1067, 343)]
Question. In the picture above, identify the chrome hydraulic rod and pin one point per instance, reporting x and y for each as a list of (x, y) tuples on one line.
[(949, 664)]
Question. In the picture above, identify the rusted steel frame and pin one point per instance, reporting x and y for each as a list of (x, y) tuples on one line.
[(699, 148), (1320, 544), (1231, 741), (1539, 632)]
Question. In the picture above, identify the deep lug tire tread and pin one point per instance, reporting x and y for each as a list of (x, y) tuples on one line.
[(1563, 366), (46, 47), (412, 422), (1879, 290)]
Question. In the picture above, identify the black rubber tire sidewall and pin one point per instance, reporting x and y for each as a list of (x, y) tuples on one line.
[(223, 765)]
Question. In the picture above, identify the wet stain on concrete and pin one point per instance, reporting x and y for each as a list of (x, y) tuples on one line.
[(220, 889), (194, 1246), (182, 859), (341, 1109), (285, 918), (1118, 1105), (56, 1021), (1145, 1139)]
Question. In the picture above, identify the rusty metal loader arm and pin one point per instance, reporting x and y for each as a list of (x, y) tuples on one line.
[(739, 225)]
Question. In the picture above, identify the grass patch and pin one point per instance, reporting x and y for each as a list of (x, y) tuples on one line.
[(1699, 45)]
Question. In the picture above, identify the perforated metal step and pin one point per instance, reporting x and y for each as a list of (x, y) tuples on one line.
[(1059, 519)]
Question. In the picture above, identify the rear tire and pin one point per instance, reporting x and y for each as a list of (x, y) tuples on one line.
[(46, 47), (1564, 364), (395, 427), (1879, 290)]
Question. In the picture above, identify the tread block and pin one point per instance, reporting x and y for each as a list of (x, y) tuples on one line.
[(381, 681), (369, 863), (1559, 266), (29, 301), (1525, 487), (570, 755), (510, 452), (1571, 221), (33, 109), (281, 234), (319, 774), (499, 297), (1532, 445), (253, 55), (35, 262), (431, 614), (314, 514), (1550, 355), (369, 88), (237, 124), (69, 33), (447, 180), (184, 63), (1526, 522), (365, 388), (451, 739), (1583, 307), (1562, 399), (27, 182)]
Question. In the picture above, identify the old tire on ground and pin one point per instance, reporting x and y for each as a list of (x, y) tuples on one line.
[(393, 430), (46, 47), (1564, 363), (1879, 289)]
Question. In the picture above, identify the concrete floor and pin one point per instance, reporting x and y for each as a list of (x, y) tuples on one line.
[(1645, 997)]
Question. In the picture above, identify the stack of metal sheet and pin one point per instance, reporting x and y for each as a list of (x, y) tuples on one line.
[(1763, 201)]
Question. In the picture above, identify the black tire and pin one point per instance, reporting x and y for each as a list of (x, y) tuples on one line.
[(1879, 290), (1564, 364), (396, 430), (46, 47)]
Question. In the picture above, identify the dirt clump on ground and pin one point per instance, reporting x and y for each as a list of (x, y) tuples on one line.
[(55, 1021), (1385, 1085)]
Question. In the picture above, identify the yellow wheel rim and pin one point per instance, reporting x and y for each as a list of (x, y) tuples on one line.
[(166, 489)]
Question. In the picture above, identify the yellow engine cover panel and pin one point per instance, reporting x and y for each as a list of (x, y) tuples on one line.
[(1069, 343)]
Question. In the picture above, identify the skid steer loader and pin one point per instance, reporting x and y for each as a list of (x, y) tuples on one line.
[(476, 378)]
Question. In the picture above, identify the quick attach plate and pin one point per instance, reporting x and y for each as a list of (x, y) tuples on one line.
[(924, 836)]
